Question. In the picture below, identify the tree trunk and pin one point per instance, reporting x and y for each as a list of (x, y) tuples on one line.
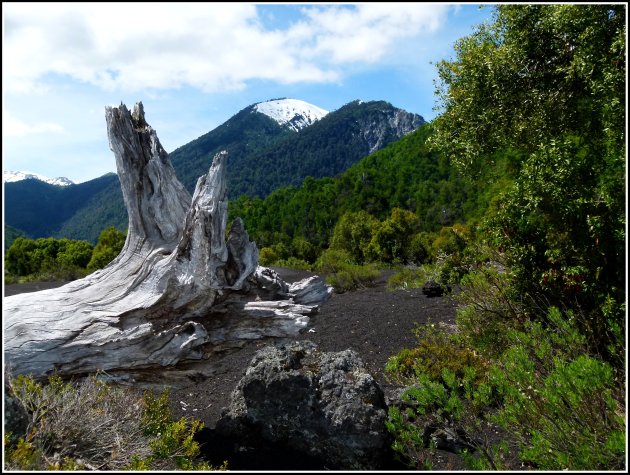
[(178, 290)]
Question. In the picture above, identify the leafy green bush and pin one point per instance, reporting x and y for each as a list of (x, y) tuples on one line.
[(293, 263), (415, 277), (489, 309), (333, 260), (93, 425), (436, 351), (303, 250), (342, 273), (418, 250), (558, 407), (564, 406), (448, 386), (110, 243), (391, 238), (353, 276), (407, 278), (353, 233), (172, 442), (267, 256)]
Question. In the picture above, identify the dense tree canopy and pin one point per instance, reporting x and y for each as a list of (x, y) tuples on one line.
[(110, 243), (403, 175), (33, 256), (545, 85)]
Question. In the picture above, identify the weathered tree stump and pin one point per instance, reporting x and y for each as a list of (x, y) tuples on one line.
[(179, 290)]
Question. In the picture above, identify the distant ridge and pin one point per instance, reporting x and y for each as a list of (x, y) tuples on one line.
[(12, 176), (270, 144)]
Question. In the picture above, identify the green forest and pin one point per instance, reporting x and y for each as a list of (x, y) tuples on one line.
[(514, 197), (51, 259)]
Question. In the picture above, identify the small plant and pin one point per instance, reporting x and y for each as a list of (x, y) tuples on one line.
[(267, 256), (172, 442), (293, 263), (343, 273), (448, 387), (353, 276), (563, 405), (95, 426), (409, 278), (436, 351)]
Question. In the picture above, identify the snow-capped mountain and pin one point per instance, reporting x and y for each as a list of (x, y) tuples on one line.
[(293, 113), (10, 176), (264, 155)]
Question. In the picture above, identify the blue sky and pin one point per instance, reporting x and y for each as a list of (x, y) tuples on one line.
[(195, 65)]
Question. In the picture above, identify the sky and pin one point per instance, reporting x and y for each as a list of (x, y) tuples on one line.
[(195, 65)]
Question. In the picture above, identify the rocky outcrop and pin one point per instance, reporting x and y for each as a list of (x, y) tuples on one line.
[(389, 124), (324, 405), (179, 290)]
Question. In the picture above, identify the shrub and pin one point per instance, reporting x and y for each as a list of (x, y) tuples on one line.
[(294, 263), (436, 351), (93, 425), (560, 407), (563, 405), (413, 277), (110, 243), (332, 260), (418, 251), (448, 388), (406, 278), (353, 233), (303, 250), (267, 256), (353, 276), (489, 310), (343, 273)]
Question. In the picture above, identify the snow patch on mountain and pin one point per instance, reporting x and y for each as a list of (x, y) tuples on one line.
[(10, 176), (294, 113)]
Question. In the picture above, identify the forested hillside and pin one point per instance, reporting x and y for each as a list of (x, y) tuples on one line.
[(105, 208), (11, 234), (406, 174), (243, 135), (40, 209), (324, 149), (264, 156)]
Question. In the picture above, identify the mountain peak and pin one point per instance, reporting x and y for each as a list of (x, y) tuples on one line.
[(11, 176), (293, 113)]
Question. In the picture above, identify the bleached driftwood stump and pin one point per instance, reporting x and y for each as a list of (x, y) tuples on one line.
[(179, 290)]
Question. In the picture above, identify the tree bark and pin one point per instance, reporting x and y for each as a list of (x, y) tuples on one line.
[(178, 291)]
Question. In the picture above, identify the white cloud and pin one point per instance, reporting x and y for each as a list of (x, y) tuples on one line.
[(212, 47), (367, 32), (14, 127)]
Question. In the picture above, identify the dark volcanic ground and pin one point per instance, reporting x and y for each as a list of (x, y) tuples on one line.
[(374, 322)]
